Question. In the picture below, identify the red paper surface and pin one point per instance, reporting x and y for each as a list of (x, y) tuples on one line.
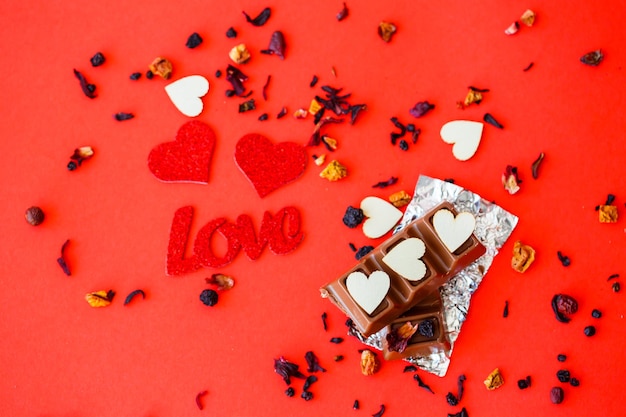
[(60, 357)]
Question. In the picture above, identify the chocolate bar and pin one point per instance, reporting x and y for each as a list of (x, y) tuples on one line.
[(406, 269), (429, 337)]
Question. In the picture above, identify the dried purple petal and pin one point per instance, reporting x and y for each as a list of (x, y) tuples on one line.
[(355, 405), (528, 67), (380, 412), (421, 383), (282, 113), (309, 381), (260, 19), (492, 121), (383, 184), (536, 164), (460, 386), (592, 58), (565, 260), (355, 110), (462, 413), (336, 340), (120, 117), (199, 399), (316, 137), (88, 89), (421, 108), (236, 78), (363, 251), (451, 399), (505, 313), (267, 83), (61, 260), (287, 370), (132, 295), (410, 368), (343, 13), (277, 45), (312, 361)]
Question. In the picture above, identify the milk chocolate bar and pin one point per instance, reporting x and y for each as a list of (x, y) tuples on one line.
[(428, 338), (401, 272)]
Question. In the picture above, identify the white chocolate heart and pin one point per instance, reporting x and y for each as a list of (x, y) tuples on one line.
[(465, 135), (368, 292), (381, 215), (186, 94), (452, 231), (404, 259)]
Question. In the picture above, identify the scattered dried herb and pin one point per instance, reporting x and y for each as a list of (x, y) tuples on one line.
[(616, 287), (492, 121), (386, 31), (34, 215), (355, 405), (239, 54), (88, 89), (329, 143), (338, 358), (282, 113), (324, 324), (564, 305), (369, 362), (97, 60), (460, 386), (528, 67), (306, 395), (380, 412), (309, 381), (415, 134), (343, 13), (565, 260), (316, 137), (133, 294), (561, 358), (421, 383), (263, 117), (120, 117), (261, 19), (290, 392), (313, 363), (462, 413), (62, 261), (613, 276), (353, 217), (364, 250), (590, 331), (536, 164), (494, 380), (592, 58), (100, 298), (276, 46), (287, 370), (231, 33), (421, 108), (409, 368), (505, 313), (397, 135), (524, 383), (194, 40), (556, 395), (596, 314), (384, 184), (313, 81), (209, 297), (336, 340), (79, 156), (135, 76), (574, 382), (199, 399), (236, 78), (403, 145), (161, 67), (247, 106), (563, 375), (510, 179), (451, 399)]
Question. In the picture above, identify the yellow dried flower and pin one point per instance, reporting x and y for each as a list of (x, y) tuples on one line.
[(528, 18), (386, 30), (473, 96), (161, 67), (314, 107), (329, 142), (239, 54), (607, 214), (300, 114), (334, 171), (523, 256), (100, 298), (319, 161), (369, 362), (494, 380), (400, 199)]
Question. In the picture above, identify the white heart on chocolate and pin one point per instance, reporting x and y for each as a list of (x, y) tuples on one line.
[(381, 215), (453, 231), (368, 292), (465, 135), (186, 94), (404, 259)]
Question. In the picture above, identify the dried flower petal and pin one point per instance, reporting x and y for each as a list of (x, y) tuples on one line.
[(100, 298), (319, 161), (492, 121), (61, 260), (120, 117), (398, 338), (287, 370), (199, 399), (422, 384), (510, 180), (261, 19), (607, 214), (236, 79), (384, 184), (473, 96), (161, 67), (276, 46), (369, 362), (343, 13), (494, 380), (592, 58), (313, 362), (386, 31), (239, 54), (528, 18), (536, 164), (421, 108), (133, 294), (300, 114), (511, 30), (523, 257), (400, 199), (380, 412), (334, 171), (88, 89)]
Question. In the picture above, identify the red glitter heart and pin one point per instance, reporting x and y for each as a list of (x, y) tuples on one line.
[(187, 158), (269, 166)]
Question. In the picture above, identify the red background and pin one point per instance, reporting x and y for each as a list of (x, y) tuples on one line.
[(60, 357)]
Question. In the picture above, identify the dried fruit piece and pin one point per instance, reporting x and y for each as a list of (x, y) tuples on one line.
[(564, 305), (386, 31), (80, 154), (329, 143), (334, 171), (222, 282), (34, 215), (369, 362), (421, 108), (590, 331), (592, 58), (398, 338), (494, 380), (100, 298), (239, 54), (511, 30), (353, 217), (400, 199), (194, 40), (161, 67), (556, 395), (209, 297), (300, 114), (97, 60), (319, 160), (607, 214), (528, 18), (510, 179), (523, 257), (314, 107)]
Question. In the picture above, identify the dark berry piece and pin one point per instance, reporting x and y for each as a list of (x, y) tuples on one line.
[(574, 382), (97, 60), (561, 358), (230, 93), (263, 117), (563, 375), (522, 384), (426, 328), (218, 74), (307, 395), (363, 251), (596, 314), (353, 217), (193, 41), (410, 127), (404, 145), (231, 33), (135, 76), (149, 75), (451, 399), (556, 395), (71, 166), (290, 392), (209, 297), (590, 331)]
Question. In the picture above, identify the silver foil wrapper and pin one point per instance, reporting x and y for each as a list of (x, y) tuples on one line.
[(493, 227)]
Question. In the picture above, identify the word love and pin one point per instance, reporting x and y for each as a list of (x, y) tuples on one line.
[(281, 232)]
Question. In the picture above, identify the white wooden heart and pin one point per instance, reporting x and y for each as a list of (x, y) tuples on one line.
[(465, 135), (186, 94), (381, 215), (452, 231), (368, 292), (404, 259)]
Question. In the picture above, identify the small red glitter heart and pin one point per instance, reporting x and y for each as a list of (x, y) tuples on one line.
[(269, 166), (187, 158)]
